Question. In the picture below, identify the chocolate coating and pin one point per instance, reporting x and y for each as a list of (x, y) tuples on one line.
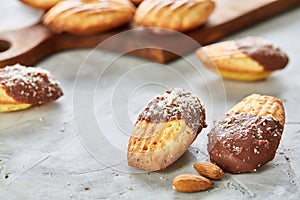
[(241, 143), (176, 104), (29, 85), (265, 53)]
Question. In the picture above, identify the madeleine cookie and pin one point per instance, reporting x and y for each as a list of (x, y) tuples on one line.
[(178, 15), (165, 129), (88, 16), (247, 137), (246, 59), (41, 4), (22, 87)]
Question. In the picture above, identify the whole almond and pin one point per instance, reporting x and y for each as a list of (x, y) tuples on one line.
[(209, 170), (191, 183)]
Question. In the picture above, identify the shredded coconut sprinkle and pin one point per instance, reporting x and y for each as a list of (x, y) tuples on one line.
[(176, 104), (29, 84)]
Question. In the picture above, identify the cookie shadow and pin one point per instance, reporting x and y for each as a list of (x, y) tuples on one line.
[(237, 90), (187, 159)]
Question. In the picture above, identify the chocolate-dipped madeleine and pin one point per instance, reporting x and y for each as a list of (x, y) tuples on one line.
[(245, 59), (248, 136), (165, 129), (22, 87)]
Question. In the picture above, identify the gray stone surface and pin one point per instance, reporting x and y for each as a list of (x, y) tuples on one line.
[(75, 148)]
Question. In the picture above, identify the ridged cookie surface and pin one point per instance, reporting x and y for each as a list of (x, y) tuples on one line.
[(178, 15), (165, 129), (246, 59), (88, 16), (261, 105), (248, 136)]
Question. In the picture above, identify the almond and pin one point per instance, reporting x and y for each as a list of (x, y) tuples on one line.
[(209, 170), (191, 183)]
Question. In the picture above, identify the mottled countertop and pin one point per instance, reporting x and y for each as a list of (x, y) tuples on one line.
[(75, 148)]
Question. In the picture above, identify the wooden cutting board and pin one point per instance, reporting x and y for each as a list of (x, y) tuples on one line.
[(29, 45)]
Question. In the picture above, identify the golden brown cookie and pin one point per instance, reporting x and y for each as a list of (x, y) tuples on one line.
[(22, 87), (88, 16), (165, 129), (248, 136), (246, 59), (178, 15), (41, 4)]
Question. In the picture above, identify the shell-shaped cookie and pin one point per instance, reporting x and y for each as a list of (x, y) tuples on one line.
[(178, 15), (88, 16), (165, 129), (246, 59), (22, 87), (248, 136)]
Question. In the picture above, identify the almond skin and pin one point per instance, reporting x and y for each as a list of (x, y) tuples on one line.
[(191, 183), (209, 170)]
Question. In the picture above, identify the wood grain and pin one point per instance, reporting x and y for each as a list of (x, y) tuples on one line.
[(29, 45)]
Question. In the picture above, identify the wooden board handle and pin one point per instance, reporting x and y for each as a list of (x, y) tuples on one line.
[(24, 45), (29, 45)]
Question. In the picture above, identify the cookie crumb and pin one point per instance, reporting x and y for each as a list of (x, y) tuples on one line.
[(6, 176), (130, 188)]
